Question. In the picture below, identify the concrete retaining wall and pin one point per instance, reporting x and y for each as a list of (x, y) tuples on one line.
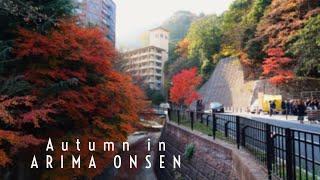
[(228, 85)]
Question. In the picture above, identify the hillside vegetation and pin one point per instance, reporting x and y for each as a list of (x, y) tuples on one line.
[(178, 24), (250, 29)]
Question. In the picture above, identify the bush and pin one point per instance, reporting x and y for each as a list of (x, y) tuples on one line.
[(189, 151)]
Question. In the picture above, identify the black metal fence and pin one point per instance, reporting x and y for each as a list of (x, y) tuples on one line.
[(285, 153)]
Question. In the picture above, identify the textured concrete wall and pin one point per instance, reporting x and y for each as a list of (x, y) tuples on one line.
[(227, 85), (211, 160)]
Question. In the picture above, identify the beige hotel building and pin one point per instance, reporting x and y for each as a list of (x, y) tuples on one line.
[(148, 62)]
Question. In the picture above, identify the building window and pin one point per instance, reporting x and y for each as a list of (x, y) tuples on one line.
[(93, 7), (92, 18)]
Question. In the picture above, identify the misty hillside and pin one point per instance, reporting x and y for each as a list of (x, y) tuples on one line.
[(178, 24)]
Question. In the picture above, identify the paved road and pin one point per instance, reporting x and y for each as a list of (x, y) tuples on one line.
[(281, 121)]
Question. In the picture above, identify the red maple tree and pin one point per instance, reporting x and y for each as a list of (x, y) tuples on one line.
[(183, 91), (75, 94), (277, 67)]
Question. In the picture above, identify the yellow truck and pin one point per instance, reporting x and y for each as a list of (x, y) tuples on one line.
[(266, 98)]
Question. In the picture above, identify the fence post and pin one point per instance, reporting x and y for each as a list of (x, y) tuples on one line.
[(192, 119), (289, 154), (196, 115), (214, 125), (208, 120), (243, 136), (169, 114), (238, 131), (269, 149), (226, 129), (178, 113)]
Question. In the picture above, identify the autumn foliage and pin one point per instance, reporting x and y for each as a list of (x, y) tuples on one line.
[(276, 67), (182, 48), (283, 19), (183, 91), (75, 94)]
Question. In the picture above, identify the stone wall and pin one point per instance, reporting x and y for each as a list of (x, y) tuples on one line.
[(211, 160)]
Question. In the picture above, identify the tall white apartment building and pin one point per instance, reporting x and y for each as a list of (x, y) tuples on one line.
[(98, 12), (148, 62)]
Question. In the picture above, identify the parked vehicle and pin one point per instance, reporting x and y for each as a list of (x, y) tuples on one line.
[(165, 105), (216, 107)]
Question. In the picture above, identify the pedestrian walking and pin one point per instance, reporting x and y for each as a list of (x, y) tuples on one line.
[(283, 107), (301, 108), (272, 106), (295, 107)]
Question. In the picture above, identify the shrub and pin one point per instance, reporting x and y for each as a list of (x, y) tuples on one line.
[(189, 151)]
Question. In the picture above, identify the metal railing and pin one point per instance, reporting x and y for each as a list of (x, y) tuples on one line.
[(285, 153)]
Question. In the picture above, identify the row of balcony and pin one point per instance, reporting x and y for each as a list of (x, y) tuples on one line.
[(143, 61), (143, 53), (152, 74), (151, 67)]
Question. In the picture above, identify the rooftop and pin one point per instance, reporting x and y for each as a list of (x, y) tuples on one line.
[(162, 28), (144, 48)]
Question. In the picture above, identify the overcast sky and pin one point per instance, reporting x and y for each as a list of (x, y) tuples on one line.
[(137, 16)]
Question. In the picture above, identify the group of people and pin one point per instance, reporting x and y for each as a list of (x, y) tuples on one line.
[(296, 107)]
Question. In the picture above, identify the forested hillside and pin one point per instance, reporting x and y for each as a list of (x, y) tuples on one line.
[(264, 34), (178, 24)]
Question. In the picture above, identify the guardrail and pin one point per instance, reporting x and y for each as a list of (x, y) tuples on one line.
[(285, 153)]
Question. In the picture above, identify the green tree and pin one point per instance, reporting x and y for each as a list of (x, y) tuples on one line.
[(155, 96), (254, 49), (305, 47), (204, 37), (206, 69), (178, 25), (204, 40), (257, 11), (231, 23)]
